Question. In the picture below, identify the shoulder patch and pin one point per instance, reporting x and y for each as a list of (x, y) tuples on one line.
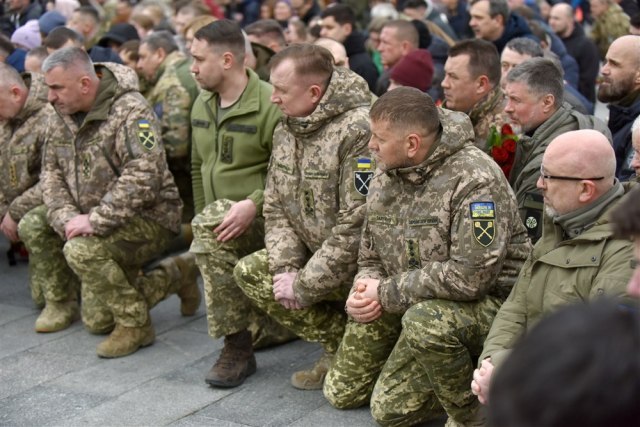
[(145, 135), (363, 168), (483, 216)]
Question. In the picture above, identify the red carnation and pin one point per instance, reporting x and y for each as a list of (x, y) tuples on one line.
[(506, 129), (499, 154), (509, 145), (506, 169)]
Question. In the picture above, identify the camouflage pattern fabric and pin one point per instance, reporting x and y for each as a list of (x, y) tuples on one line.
[(49, 274), (314, 203), (109, 266), (488, 112), (612, 24), (171, 98), (113, 166), (446, 230), (363, 351), (431, 366), (322, 322), (228, 309), (21, 145)]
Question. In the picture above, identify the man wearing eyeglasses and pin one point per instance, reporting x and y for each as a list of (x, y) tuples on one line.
[(578, 258), (534, 91)]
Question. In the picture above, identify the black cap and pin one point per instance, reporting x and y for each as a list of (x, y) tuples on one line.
[(119, 33)]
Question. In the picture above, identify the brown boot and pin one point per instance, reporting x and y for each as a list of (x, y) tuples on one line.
[(57, 316), (236, 361), (124, 340), (189, 292), (313, 379)]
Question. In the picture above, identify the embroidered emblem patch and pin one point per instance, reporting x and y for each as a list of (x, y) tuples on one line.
[(145, 135), (363, 173), (483, 215), (13, 175)]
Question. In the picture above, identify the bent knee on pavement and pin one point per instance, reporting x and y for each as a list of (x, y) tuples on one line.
[(342, 399)]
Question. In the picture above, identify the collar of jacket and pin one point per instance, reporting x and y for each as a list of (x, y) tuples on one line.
[(248, 102), (346, 91), (171, 59), (486, 105), (575, 223), (455, 133)]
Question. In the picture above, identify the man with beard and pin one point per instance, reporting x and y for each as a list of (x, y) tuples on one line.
[(534, 92), (578, 258), (620, 87)]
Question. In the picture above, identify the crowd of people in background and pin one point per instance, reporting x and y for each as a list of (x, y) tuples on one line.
[(419, 186)]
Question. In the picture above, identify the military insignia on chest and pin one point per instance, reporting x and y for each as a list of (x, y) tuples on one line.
[(308, 203), (13, 175), (145, 135), (483, 215), (413, 254), (363, 168)]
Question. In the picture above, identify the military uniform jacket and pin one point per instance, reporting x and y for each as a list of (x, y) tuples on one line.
[(171, 97), (560, 272), (488, 112), (229, 160), (612, 24), (447, 228), (21, 145), (529, 152), (314, 203), (112, 166)]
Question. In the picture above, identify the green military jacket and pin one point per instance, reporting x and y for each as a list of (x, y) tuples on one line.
[(21, 145), (109, 164), (318, 180), (612, 24), (561, 271), (447, 228), (229, 159), (529, 152)]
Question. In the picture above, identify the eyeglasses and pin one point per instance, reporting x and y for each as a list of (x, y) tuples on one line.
[(566, 178)]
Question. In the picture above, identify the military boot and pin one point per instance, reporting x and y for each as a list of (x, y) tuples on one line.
[(313, 379), (57, 316), (236, 361), (125, 340), (189, 292)]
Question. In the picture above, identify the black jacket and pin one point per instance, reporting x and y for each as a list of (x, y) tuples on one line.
[(359, 60), (620, 121), (586, 54)]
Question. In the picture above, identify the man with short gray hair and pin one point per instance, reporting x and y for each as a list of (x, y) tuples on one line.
[(534, 92), (110, 204)]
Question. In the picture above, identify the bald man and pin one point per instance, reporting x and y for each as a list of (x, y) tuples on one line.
[(338, 51), (581, 47), (620, 87), (578, 257)]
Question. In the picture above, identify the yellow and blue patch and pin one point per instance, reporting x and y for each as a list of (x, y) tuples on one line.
[(483, 215), (145, 135)]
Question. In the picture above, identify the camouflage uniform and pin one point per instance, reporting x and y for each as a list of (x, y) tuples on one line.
[(577, 260), (445, 240), (21, 144), (230, 157), (488, 112), (528, 159), (112, 167), (612, 24), (172, 94), (314, 208)]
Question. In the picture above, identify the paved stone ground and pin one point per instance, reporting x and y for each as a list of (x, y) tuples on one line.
[(57, 380)]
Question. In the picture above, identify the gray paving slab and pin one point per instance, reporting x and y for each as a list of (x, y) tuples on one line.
[(57, 380)]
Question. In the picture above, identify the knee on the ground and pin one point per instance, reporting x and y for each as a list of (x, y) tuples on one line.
[(429, 321), (339, 397)]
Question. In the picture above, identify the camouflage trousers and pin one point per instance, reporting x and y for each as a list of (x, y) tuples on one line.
[(228, 309), (49, 273), (363, 351), (113, 290), (323, 322), (430, 369)]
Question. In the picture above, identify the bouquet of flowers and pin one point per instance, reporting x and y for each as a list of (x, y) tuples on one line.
[(502, 146)]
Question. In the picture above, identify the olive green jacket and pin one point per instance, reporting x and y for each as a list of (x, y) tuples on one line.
[(229, 160)]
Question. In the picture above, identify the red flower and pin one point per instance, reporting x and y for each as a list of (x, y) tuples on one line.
[(499, 154), (506, 169), (509, 145), (506, 129)]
